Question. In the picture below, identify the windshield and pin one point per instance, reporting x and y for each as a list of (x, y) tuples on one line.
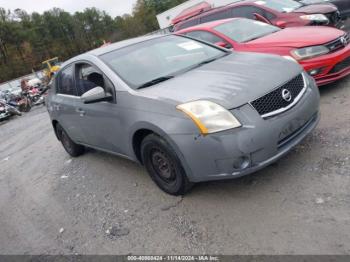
[(284, 6), (245, 30), (161, 58)]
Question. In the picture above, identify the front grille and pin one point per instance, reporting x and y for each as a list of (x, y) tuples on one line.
[(341, 66), (334, 18), (274, 103), (338, 43)]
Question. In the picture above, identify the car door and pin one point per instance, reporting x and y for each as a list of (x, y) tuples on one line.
[(100, 121), (63, 102)]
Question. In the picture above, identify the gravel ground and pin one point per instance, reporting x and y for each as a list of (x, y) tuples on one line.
[(102, 204)]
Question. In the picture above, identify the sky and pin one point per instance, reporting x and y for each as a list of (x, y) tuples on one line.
[(112, 7)]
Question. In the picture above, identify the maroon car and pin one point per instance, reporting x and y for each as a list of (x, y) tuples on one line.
[(281, 13)]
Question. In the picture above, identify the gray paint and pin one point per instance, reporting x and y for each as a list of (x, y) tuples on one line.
[(232, 82)]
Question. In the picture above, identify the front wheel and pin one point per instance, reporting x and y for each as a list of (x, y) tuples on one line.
[(72, 148), (163, 166)]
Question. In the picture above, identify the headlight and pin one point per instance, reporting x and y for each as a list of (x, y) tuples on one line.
[(315, 17), (209, 117), (309, 52)]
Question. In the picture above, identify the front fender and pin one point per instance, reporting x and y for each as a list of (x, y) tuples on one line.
[(157, 130)]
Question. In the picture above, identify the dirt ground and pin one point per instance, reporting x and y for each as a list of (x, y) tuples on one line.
[(102, 204)]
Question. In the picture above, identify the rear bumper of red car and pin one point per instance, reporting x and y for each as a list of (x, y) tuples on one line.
[(332, 67)]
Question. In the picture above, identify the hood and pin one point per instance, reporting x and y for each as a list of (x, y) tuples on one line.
[(316, 9), (231, 81), (297, 37)]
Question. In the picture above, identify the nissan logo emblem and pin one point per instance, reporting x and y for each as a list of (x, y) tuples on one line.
[(286, 95)]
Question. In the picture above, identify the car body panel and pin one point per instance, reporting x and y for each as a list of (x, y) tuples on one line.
[(280, 19), (342, 5), (213, 157), (242, 78), (316, 9), (204, 157), (298, 37), (288, 39)]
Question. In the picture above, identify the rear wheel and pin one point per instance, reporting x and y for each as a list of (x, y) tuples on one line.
[(72, 148), (164, 166)]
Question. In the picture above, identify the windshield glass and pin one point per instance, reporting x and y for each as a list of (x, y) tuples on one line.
[(158, 58), (284, 6), (245, 30)]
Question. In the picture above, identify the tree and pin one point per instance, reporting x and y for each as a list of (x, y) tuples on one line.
[(28, 39)]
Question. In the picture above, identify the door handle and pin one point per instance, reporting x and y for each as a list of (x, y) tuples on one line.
[(80, 111)]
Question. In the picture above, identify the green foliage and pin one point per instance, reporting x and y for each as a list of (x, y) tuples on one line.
[(28, 39)]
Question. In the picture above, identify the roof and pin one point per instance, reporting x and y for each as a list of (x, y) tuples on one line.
[(211, 24), (121, 44)]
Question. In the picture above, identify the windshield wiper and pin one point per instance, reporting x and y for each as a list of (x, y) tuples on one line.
[(155, 81), (205, 62)]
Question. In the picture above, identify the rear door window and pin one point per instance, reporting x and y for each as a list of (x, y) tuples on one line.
[(189, 23), (89, 77), (66, 84), (223, 14), (248, 12)]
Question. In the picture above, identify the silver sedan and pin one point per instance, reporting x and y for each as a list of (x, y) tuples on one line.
[(187, 110)]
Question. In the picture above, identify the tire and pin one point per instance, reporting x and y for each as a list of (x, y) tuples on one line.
[(164, 166), (72, 148)]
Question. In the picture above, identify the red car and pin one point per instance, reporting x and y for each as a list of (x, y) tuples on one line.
[(281, 13), (324, 52)]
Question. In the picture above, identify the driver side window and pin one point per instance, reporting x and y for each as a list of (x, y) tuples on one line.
[(88, 77)]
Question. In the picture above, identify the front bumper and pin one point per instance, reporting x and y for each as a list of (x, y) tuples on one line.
[(258, 143), (329, 65)]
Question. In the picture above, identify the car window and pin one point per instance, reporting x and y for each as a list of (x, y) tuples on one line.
[(66, 82), (284, 6), (244, 30), (249, 11), (187, 24), (88, 78), (205, 36), (161, 57), (223, 14)]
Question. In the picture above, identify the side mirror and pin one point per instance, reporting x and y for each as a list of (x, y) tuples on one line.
[(224, 45), (261, 18), (96, 95), (281, 24)]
